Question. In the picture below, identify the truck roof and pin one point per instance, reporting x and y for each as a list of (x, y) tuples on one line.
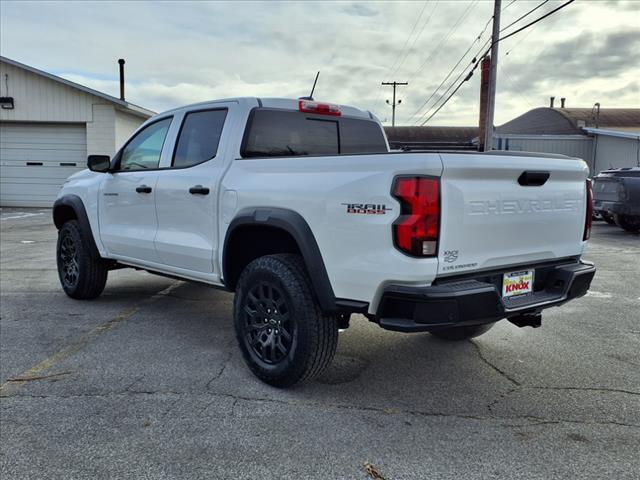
[(274, 102)]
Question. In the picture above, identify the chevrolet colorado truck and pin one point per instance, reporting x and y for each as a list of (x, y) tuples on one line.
[(299, 208), (616, 197)]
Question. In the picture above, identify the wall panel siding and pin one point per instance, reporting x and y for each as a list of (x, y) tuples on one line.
[(40, 99), (101, 132), (126, 124), (579, 146), (616, 152)]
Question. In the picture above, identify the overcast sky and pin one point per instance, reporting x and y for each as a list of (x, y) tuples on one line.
[(185, 52)]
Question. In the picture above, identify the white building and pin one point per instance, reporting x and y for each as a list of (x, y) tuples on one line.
[(614, 148), (48, 126)]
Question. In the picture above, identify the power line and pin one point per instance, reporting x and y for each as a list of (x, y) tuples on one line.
[(452, 93), (515, 45), (503, 69), (456, 66), (445, 78), (406, 42), (380, 93), (525, 15), (500, 39), (462, 72), (455, 81), (445, 38), (536, 20), (416, 37), (510, 81)]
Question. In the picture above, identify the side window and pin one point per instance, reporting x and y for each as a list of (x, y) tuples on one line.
[(199, 137), (143, 151), (361, 136)]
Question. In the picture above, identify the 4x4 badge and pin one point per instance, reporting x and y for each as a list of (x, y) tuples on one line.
[(450, 256)]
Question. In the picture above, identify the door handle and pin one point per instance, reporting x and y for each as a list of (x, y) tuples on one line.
[(530, 178), (143, 189), (199, 190)]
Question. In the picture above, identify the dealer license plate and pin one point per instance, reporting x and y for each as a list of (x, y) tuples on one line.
[(517, 283)]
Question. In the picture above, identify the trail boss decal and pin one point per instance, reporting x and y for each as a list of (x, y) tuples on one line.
[(367, 208)]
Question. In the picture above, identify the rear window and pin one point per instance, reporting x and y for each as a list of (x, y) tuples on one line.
[(278, 133)]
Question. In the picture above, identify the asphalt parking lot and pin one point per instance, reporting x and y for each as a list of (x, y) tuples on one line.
[(147, 382)]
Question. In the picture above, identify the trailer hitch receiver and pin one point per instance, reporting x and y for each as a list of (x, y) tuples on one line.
[(527, 320)]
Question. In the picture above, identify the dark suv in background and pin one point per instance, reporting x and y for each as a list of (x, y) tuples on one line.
[(616, 197)]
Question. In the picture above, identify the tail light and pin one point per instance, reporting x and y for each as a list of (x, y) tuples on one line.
[(622, 191), (416, 230), (589, 220), (309, 106)]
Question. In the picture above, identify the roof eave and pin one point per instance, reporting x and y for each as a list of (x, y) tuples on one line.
[(135, 109), (612, 133)]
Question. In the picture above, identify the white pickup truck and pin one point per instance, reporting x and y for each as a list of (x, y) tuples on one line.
[(300, 209)]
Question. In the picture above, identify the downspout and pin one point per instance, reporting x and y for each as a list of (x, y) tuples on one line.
[(594, 153)]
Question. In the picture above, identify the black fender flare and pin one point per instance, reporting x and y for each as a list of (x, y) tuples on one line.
[(294, 224), (60, 216)]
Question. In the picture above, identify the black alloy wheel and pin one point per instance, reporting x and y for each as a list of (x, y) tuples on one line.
[(69, 260), (82, 275), (283, 334), (269, 330)]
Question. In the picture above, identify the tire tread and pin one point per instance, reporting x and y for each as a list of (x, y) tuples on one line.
[(323, 330), (92, 272)]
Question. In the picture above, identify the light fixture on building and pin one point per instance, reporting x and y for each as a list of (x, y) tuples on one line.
[(6, 103)]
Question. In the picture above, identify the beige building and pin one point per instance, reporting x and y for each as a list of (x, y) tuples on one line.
[(48, 126), (603, 137)]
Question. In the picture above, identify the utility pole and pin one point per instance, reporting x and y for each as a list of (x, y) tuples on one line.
[(493, 71), (393, 104), (485, 67)]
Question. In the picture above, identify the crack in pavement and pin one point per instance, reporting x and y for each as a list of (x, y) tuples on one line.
[(500, 397), (82, 342), (41, 377), (358, 408), (128, 387), (518, 386), (226, 362), (492, 366), (588, 389), (170, 407)]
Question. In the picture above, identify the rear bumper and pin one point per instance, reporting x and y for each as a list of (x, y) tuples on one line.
[(477, 300), (621, 208)]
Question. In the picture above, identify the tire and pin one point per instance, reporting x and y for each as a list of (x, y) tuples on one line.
[(454, 334), (284, 336), (82, 276), (607, 217), (630, 223)]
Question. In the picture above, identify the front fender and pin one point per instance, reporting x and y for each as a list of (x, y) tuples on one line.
[(70, 207)]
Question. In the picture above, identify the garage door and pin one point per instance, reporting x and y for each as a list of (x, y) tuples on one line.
[(36, 159)]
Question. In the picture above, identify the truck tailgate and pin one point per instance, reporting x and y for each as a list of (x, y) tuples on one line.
[(490, 219)]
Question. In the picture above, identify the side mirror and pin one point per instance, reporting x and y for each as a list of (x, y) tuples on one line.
[(99, 163)]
